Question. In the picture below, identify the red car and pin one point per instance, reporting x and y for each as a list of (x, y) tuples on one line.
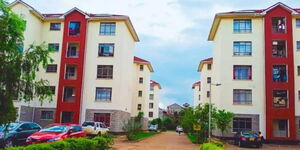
[(56, 132)]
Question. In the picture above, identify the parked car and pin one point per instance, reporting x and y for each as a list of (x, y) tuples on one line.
[(56, 132), (247, 138), (153, 127), (16, 133), (179, 129), (93, 128)]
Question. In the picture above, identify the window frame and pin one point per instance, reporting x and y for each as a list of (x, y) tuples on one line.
[(72, 98), (53, 68), (47, 118), (278, 98), (105, 26), (298, 45), (284, 79), (239, 121), (150, 114), (108, 94), (141, 80), (242, 67), (242, 93), (103, 53), (297, 21), (106, 70), (246, 29), (140, 93), (55, 29), (151, 105), (78, 34), (54, 46), (238, 47), (208, 80)]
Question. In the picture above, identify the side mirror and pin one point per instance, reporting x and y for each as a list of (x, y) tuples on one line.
[(71, 130)]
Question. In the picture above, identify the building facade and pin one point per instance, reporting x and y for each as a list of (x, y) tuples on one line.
[(196, 93), (92, 73), (256, 60)]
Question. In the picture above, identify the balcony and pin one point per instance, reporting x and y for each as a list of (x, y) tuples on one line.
[(279, 49), (279, 73), (72, 51), (278, 25), (71, 72)]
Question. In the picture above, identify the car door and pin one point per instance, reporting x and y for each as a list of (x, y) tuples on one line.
[(76, 132), (22, 132)]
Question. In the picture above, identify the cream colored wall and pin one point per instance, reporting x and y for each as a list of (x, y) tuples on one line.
[(296, 37), (37, 32), (204, 85), (196, 94), (155, 102), (145, 88), (122, 82), (224, 60)]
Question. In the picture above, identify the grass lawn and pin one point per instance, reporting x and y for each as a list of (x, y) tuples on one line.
[(192, 138), (142, 135)]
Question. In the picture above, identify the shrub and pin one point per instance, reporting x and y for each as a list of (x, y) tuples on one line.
[(97, 143), (212, 146), (131, 127)]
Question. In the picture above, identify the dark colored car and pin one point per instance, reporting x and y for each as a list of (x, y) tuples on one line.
[(17, 133), (56, 132), (247, 138)]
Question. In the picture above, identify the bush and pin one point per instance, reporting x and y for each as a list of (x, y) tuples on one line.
[(131, 127), (97, 143), (212, 146)]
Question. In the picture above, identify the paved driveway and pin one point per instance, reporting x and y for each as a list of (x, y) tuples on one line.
[(162, 141)]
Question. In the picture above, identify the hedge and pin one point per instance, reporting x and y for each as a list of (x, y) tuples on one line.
[(212, 146), (97, 143)]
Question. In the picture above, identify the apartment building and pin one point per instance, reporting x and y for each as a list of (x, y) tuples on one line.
[(256, 59), (92, 73), (196, 94), (146, 95)]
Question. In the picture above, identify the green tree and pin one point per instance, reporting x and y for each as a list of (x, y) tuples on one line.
[(18, 67), (223, 119)]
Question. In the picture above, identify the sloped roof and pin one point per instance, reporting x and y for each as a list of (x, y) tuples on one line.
[(144, 62), (154, 83), (204, 61), (196, 84), (247, 13)]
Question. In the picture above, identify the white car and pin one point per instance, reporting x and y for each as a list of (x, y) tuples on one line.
[(93, 128), (153, 127)]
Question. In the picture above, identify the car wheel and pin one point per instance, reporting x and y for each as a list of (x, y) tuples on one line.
[(99, 134), (240, 144), (9, 143)]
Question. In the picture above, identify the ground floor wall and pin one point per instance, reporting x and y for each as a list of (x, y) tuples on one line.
[(34, 114), (297, 127)]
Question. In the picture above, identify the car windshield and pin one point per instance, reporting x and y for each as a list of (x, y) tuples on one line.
[(248, 133), (88, 124), (55, 129), (10, 127)]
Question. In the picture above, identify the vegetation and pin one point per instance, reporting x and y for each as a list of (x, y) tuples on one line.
[(97, 143), (133, 126), (157, 121), (142, 135), (192, 137), (212, 146), (18, 67), (199, 116)]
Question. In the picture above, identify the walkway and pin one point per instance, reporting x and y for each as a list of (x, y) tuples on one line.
[(162, 141)]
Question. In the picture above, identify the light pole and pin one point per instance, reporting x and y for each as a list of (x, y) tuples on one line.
[(209, 110)]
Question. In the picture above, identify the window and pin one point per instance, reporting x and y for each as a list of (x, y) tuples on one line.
[(53, 46), (103, 94), (71, 72), (55, 26), (280, 98), (208, 94), (25, 127), (242, 72), (151, 96), (102, 117), (151, 105), (139, 107), (278, 49), (69, 94), (141, 67), (140, 93), (242, 48), (107, 28), (52, 88), (298, 95), (278, 25), (105, 71), (298, 45), (242, 96), (66, 117), (208, 79), (199, 97), (141, 80), (51, 68), (279, 73), (77, 128), (106, 50), (297, 23), (208, 66), (151, 88), (72, 50), (47, 115), (150, 114), (242, 26), (240, 124), (74, 28), (298, 70)]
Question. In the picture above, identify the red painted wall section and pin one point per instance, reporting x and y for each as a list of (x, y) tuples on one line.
[(75, 106), (279, 113)]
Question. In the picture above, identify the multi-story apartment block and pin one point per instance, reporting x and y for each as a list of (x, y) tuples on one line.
[(146, 96), (256, 58), (196, 93), (92, 73)]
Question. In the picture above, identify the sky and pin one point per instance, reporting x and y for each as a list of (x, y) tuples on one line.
[(173, 34)]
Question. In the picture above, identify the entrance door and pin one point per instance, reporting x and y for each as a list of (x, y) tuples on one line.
[(280, 128), (102, 117), (66, 117)]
